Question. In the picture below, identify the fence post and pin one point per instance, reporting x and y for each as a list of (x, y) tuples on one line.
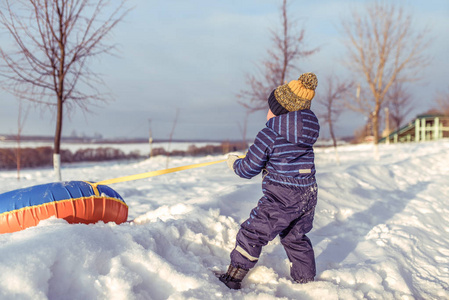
[(423, 129), (417, 131), (436, 129)]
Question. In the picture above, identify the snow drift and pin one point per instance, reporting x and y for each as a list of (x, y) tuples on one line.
[(380, 232)]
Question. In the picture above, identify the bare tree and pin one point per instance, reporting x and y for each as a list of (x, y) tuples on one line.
[(150, 139), (443, 102), (399, 104), (23, 114), (53, 43), (16, 155), (287, 49), (170, 138), (383, 49), (333, 103)]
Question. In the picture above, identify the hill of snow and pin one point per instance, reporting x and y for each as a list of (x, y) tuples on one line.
[(381, 231)]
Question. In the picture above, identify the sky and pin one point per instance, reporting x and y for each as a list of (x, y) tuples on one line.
[(194, 56)]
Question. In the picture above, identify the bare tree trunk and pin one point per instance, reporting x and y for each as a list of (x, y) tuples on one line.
[(243, 129), (334, 140), (376, 124), (171, 136), (285, 43), (387, 125), (331, 131), (18, 151), (376, 132), (57, 144), (150, 139), (20, 124), (18, 157)]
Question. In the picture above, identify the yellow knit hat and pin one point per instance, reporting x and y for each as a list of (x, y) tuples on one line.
[(297, 94)]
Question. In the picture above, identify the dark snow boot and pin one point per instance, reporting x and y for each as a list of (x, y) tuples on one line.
[(233, 277), (304, 280)]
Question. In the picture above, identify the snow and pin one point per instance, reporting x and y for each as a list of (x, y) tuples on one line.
[(381, 231)]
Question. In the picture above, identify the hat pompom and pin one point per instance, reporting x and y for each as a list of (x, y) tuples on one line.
[(309, 81)]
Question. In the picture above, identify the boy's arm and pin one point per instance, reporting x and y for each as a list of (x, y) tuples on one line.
[(257, 155)]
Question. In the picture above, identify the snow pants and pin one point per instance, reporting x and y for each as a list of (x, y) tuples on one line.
[(286, 210)]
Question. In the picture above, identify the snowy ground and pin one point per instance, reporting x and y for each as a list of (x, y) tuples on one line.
[(381, 231)]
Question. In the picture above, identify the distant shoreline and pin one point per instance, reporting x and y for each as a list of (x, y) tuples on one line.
[(95, 140), (124, 140)]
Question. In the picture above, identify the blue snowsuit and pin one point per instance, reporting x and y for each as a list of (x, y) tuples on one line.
[(283, 151)]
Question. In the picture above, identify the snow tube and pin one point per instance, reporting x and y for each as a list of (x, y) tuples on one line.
[(73, 201)]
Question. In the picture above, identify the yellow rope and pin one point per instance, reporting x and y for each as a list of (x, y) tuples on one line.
[(155, 173)]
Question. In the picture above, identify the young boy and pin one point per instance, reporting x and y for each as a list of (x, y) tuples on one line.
[(283, 152)]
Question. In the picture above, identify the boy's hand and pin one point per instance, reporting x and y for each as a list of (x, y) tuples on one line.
[(231, 160)]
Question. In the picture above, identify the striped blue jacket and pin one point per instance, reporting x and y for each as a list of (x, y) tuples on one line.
[(283, 150)]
